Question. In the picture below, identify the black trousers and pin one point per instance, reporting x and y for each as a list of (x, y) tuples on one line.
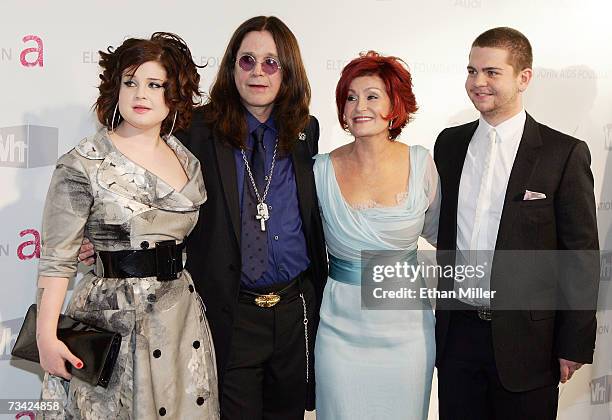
[(266, 373), (468, 382)]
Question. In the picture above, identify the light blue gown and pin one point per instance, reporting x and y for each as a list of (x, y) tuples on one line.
[(374, 364)]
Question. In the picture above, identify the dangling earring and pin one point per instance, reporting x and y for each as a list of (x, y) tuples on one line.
[(390, 128), (173, 122), (114, 115), (344, 124)]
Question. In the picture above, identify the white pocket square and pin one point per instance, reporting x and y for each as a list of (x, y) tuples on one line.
[(533, 195)]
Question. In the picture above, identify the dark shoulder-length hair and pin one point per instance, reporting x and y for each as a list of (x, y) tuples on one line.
[(181, 89), (398, 83), (224, 111)]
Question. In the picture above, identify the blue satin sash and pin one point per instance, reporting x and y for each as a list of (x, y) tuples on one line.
[(349, 272)]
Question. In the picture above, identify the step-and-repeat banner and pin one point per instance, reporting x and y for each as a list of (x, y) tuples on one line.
[(49, 75)]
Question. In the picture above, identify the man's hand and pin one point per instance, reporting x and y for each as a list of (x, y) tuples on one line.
[(86, 252), (567, 369)]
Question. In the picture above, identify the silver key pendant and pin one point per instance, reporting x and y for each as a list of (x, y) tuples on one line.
[(262, 215)]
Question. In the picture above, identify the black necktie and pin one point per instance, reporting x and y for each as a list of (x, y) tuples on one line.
[(258, 158), (254, 242)]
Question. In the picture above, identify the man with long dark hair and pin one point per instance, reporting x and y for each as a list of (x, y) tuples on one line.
[(257, 255)]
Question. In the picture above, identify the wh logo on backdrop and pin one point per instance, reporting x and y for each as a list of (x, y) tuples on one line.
[(28, 146), (606, 266), (601, 390), (8, 335), (608, 136)]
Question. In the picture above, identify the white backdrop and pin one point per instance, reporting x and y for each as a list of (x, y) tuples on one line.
[(49, 74)]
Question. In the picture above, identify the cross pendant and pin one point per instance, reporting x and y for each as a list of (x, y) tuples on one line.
[(262, 215)]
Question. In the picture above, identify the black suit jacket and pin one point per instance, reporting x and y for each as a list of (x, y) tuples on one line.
[(213, 248), (527, 344)]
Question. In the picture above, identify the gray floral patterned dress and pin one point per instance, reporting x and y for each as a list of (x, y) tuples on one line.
[(166, 367)]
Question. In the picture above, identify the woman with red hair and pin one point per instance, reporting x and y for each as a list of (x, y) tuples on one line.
[(375, 193)]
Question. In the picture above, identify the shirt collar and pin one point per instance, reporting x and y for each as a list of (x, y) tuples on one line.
[(253, 123), (507, 129)]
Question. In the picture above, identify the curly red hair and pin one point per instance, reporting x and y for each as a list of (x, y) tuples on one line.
[(397, 80)]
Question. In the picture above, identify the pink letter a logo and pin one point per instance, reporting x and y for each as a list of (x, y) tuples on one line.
[(35, 243), (38, 49)]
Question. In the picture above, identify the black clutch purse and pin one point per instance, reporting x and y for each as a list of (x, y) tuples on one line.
[(96, 347)]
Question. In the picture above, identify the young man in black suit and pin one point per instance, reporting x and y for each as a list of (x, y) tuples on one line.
[(510, 183)]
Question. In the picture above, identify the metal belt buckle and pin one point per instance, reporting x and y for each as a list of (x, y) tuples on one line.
[(267, 301), (484, 313), (166, 260)]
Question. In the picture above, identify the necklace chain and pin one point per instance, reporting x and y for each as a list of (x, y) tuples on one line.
[(260, 199)]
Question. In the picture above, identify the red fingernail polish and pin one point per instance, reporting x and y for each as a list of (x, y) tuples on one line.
[(79, 365)]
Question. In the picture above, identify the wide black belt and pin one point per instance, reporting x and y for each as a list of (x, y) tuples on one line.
[(165, 262)]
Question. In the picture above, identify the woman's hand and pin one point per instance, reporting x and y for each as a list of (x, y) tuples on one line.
[(52, 352), (53, 357)]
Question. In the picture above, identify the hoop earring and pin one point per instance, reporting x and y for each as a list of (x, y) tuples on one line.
[(114, 115), (173, 122)]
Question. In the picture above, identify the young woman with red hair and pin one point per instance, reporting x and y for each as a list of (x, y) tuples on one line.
[(375, 193)]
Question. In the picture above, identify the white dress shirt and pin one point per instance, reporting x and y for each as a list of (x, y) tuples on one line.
[(482, 191)]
